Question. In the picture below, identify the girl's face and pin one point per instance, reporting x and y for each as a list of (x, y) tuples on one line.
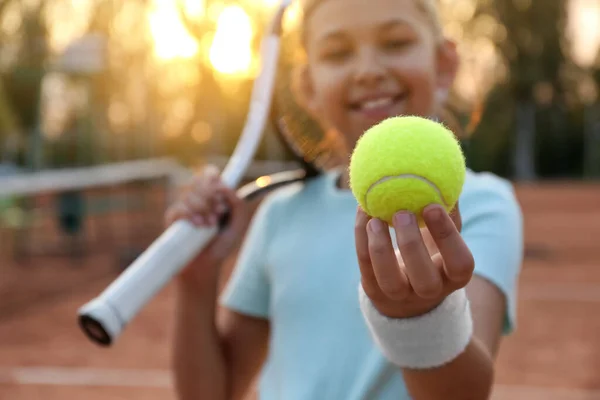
[(373, 59)]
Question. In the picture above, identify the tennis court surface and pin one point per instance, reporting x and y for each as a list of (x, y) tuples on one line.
[(554, 355)]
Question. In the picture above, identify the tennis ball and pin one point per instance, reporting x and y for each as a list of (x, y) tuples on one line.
[(406, 163)]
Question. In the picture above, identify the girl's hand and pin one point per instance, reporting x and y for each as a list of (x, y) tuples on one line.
[(430, 263), (203, 203)]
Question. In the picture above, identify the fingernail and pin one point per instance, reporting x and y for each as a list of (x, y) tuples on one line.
[(404, 218), (434, 213), (376, 225)]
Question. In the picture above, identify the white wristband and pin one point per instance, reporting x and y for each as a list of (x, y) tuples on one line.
[(426, 341)]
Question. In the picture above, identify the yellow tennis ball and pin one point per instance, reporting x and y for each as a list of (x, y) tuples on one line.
[(404, 164)]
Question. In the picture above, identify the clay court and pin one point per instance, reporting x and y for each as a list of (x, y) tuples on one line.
[(554, 355)]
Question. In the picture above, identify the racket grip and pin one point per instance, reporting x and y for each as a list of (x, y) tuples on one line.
[(105, 317)]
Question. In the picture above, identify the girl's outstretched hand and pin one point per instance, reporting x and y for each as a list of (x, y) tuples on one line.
[(430, 263)]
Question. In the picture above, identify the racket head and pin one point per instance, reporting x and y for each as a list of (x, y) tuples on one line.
[(315, 150)]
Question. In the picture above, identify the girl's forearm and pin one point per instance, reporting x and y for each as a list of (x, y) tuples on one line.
[(469, 376), (198, 361)]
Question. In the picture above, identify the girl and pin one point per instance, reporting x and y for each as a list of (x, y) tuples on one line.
[(431, 305)]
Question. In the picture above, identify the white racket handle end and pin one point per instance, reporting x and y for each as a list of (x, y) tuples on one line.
[(100, 321), (105, 317)]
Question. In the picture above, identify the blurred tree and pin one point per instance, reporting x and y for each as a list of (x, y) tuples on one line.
[(526, 128), (11, 135), (10, 126), (592, 126), (23, 74)]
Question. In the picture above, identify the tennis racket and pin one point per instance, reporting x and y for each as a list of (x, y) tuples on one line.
[(104, 318), (273, 105)]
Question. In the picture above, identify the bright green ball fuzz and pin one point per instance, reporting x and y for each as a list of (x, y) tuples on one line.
[(405, 164)]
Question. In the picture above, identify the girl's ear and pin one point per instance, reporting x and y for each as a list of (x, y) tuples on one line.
[(448, 63), (303, 90)]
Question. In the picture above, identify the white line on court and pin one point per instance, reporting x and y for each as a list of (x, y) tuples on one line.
[(65, 376), (162, 379)]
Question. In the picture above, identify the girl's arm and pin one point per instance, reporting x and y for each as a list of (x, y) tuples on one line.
[(215, 356), (414, 303), (470, 375)]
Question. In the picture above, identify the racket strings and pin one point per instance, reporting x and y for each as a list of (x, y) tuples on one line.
[(316, 149)]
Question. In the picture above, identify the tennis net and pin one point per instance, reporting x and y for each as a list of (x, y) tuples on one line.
[(68, 228)]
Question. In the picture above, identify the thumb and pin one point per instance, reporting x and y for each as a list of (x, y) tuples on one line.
[(236, 219)]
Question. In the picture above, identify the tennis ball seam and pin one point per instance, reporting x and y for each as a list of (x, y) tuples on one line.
[(404, 176)]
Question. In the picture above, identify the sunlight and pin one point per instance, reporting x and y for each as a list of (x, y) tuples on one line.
[(171, 39), (292, 16), (270, 3), (584, 30), (61, 35), (231, 51), (478, 71)]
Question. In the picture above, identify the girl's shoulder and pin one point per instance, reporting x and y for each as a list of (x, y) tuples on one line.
[(487, 193), (487, 183)]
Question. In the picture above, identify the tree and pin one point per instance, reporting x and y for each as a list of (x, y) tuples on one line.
[(528, 116)]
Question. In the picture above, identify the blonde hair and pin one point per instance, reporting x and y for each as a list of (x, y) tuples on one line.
[(429, 8)]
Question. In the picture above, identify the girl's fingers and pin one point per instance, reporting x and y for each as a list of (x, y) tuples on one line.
[(196, 202), (193, 209), (368, 279), (228, 201), (458, 260), (391, 280), (211, 173), (205, 182), (208, 196), (221, 201), (456, 217), (202, 210), (425, 279), (181, 211), (202, 202)]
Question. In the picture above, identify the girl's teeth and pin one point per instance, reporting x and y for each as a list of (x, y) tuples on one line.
[(369, 105)]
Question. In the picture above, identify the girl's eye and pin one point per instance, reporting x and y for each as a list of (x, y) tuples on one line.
[(336, 55), (396, 44)]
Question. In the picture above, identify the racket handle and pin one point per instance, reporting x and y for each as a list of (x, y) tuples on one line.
[(105, 317)]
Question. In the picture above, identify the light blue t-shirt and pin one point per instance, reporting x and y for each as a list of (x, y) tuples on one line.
[(298, 269)]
